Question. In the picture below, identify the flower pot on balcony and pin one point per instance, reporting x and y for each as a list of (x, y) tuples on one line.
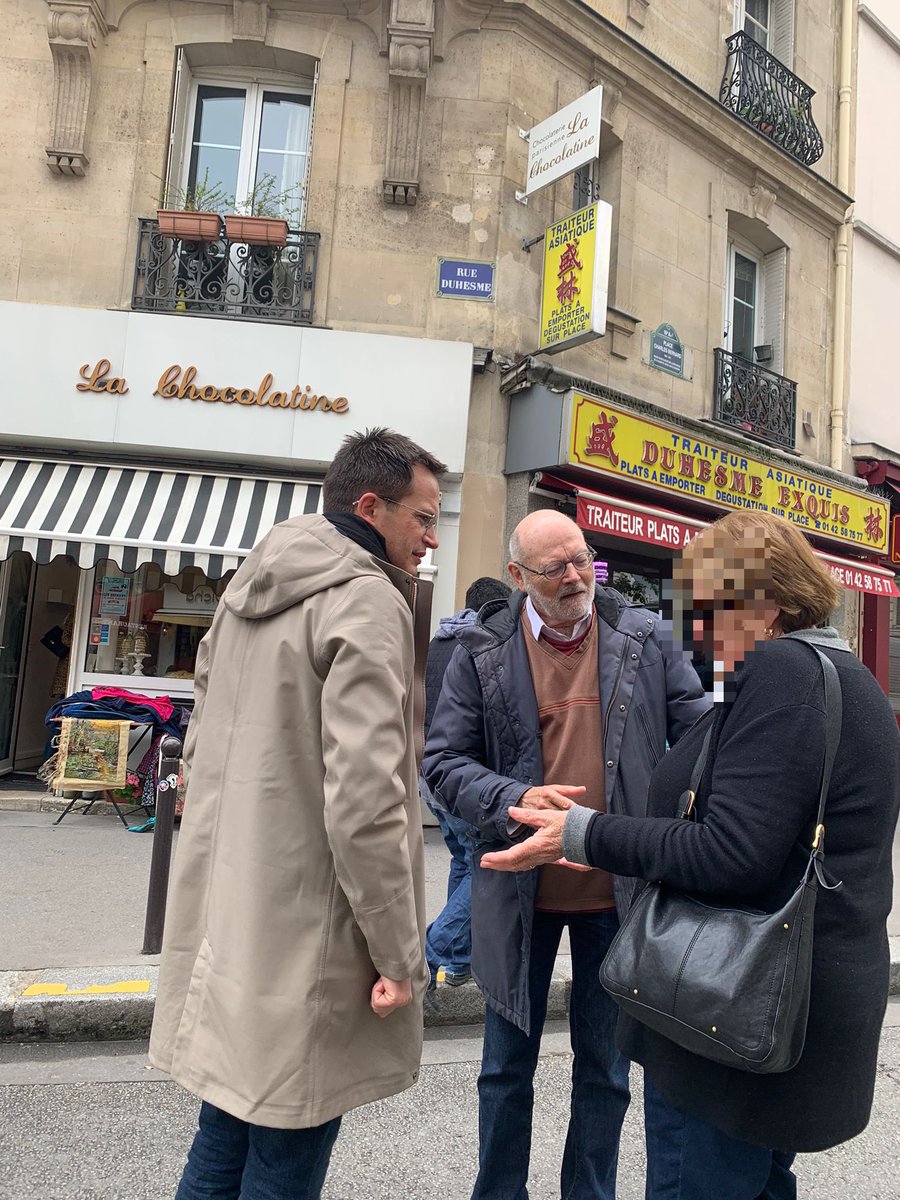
[(256, 231), (190, 226)]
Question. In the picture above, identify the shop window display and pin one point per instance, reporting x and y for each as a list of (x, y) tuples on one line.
[(147, 623)]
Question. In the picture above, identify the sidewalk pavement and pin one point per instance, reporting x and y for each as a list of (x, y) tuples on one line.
[(73, 898)]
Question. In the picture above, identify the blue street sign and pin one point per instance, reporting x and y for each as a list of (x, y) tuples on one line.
[(463, 279)]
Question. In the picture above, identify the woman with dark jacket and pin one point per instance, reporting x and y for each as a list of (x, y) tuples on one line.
[(715, 1132)]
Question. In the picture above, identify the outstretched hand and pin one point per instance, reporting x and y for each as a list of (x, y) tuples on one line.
[(545, 846), (550, 795)]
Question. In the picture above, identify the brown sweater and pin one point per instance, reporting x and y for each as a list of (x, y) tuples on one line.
[(567, 687)]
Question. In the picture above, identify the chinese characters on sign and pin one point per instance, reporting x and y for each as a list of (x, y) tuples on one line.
[(609, 440), (601, 515), (575, 278), (564, 142), (465, 280)]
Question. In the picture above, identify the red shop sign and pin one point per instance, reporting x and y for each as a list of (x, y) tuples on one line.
[(659, 529), (861, 580)]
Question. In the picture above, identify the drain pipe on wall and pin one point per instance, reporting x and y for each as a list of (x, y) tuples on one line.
[(842, 245)]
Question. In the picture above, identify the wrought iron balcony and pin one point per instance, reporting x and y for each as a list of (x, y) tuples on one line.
[(764, 93), (754, 400), (226, 278)]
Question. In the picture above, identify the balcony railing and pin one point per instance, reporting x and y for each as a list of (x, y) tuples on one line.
[(764, 93), (754, 400), (224, 278)]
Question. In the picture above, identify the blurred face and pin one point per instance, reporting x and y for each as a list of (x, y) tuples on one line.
[(730, 616), (564, 601), (405, 523)]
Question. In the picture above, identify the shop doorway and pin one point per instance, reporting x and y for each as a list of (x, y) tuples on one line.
[(15, 603), (37, 606)]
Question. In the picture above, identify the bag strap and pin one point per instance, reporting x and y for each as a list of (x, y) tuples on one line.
[(833, 724), (686, 799)]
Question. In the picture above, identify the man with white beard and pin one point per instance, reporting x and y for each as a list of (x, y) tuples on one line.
[(564, 691)]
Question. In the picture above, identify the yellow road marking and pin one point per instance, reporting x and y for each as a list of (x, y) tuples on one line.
[(96, 989)]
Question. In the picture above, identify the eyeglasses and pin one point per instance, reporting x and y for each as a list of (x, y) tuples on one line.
[(427, 520), (557, 568)]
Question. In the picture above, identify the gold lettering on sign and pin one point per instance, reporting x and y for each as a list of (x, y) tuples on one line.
[(98, 379), (177, 383)]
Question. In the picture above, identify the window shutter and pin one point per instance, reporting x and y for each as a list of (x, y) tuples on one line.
[(178, 124), (781, 31), (774, 273)]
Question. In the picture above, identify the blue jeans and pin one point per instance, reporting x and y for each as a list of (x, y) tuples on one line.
[(448, 939), (600, 1093), (688, 1159), (232, 1160)]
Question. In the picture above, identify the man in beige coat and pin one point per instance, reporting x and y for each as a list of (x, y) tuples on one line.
[(293, 970)]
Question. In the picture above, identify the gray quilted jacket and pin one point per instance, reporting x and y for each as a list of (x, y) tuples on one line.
[(484, 752)]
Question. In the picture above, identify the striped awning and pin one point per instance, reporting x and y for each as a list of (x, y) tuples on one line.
[(135, 515)]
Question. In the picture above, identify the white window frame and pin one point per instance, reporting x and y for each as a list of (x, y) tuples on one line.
[(770, 306), (779, 31), (254, 83), (736, 246), (742, 17)]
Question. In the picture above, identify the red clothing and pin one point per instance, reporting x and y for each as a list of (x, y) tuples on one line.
[(161, 704)]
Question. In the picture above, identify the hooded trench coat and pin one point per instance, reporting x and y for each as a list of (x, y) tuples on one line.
[(298, 878)]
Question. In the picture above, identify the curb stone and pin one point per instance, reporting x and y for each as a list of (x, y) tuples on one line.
[(88, 1010), (78, 1015), (78, 1004)]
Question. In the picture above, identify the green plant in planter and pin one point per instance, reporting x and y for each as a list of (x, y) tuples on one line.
[(201, 196), (266, 199), (763, 110)]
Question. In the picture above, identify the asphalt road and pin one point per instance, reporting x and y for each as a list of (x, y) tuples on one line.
[(93, 1122)]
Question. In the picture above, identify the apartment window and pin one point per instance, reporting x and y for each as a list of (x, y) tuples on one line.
[(744, 308), (246, 139), (243, 136), (754, 303), (771, 25), (756, 21)]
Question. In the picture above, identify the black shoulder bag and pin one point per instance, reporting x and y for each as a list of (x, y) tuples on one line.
[(729, 984)]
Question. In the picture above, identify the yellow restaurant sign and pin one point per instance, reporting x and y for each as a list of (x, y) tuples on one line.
[(615, 442), (575, 278)]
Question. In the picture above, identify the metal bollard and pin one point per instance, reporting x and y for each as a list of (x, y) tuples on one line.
[(160, 860)]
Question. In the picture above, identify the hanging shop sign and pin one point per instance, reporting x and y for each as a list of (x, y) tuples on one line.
[(465, 279), (564, 142), (667, 351), (614, 442), (575, 279)]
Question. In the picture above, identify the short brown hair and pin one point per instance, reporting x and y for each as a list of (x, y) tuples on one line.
[(759, 554), (379, 461)]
